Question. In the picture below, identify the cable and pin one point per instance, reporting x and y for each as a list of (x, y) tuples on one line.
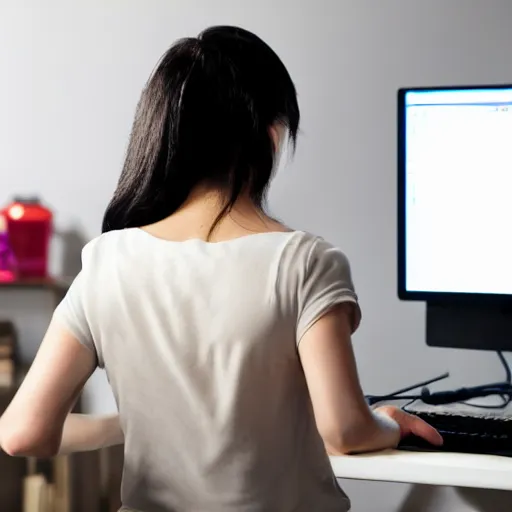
[(398, 395), (506, 398), (508, 372), (462, 395), (504, 403), (421, 384)]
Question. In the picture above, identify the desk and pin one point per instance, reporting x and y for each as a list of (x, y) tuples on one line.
[(432, 468)]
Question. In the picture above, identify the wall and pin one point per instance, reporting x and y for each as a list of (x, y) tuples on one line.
[(71, 75)]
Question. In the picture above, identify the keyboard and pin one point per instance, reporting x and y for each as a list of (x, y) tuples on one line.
[(465, 429)]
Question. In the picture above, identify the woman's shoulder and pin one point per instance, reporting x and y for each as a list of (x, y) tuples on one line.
[(309, 245), (307, 254), (108, 243)]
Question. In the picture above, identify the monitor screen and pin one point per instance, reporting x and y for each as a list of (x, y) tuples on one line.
[(455, 191)]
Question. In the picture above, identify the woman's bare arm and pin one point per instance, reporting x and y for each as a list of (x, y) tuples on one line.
[(33, 424), (344, 420), (85, 432)]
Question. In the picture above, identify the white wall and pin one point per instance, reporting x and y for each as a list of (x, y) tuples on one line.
[(71, 73)]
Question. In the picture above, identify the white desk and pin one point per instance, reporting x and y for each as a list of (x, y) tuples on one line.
[(436, 468)]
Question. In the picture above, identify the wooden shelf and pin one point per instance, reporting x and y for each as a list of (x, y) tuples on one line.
[(63, 471), (54, 284), (76, 477)]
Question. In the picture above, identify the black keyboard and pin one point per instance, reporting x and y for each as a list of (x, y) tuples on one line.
[(464, 429)]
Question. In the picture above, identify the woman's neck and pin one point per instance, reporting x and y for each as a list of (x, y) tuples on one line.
[(195, 218)]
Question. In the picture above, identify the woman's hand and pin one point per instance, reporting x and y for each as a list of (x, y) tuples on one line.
[(85, 432), (411, 425)]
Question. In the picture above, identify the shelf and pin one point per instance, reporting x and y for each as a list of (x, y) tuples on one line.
[(51, 283), (8, 392)]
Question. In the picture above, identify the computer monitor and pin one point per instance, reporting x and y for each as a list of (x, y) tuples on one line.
[(455, 212)]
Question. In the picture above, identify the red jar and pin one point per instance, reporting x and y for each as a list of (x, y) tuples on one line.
[(29, 225)]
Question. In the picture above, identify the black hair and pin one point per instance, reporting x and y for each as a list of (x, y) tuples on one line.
[(204, 118)]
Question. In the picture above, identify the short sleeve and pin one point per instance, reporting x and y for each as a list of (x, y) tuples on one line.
[(71, 312), (327, 282)]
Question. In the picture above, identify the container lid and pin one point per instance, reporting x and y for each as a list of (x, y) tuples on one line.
[(27, 199)]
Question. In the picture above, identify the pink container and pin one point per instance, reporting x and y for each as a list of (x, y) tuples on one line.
[(7, 260)]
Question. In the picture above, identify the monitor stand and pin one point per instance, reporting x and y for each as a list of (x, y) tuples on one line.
[(469, 326)]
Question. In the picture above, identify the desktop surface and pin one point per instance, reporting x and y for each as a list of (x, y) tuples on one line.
[(433, 468)]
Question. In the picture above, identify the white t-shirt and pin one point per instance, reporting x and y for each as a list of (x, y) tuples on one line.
[(199, 342)]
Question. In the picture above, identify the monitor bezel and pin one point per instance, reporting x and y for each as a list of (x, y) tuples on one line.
[(403, 293)]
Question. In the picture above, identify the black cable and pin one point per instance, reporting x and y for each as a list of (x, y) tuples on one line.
[(461, 395), (421, 384), (504, 362), (464, 394), (398, 395), (506, 398), (504, 403)]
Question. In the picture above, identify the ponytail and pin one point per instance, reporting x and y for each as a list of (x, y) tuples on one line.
[(204, 117)]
